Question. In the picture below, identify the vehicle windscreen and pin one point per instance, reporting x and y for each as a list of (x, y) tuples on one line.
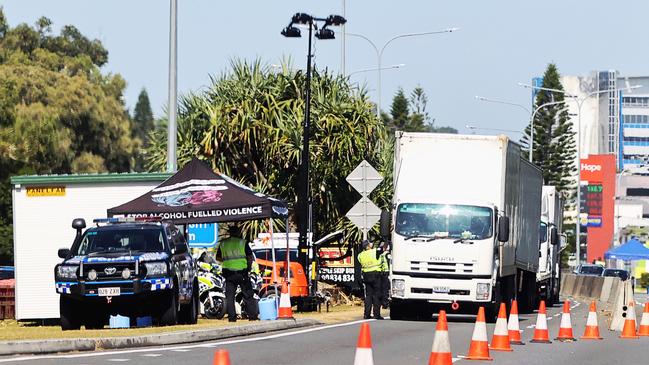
[(443, 220), (622, 274), (142, 239), (280, 255), (591, 270)]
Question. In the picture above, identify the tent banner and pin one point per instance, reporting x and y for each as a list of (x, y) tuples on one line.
[(235, 213)]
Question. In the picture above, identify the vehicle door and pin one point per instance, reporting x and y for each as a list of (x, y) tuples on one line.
[(184, 265)]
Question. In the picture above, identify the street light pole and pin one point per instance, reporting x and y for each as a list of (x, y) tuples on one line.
[(580, 102), (304, 203), (173, 100), (379, 55), (375, 69)]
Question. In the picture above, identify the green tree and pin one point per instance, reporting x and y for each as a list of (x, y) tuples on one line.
[(554, 146), (248, 125), (399, 112), (143, 124), (58, 112), (410, 115)]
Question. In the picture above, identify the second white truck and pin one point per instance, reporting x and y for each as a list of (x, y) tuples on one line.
[(466, 212), (548, 278)]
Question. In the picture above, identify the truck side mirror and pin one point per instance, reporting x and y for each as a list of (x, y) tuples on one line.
[(554, 236), (385, 224), (64, 253), (78, 223), (503, 229)]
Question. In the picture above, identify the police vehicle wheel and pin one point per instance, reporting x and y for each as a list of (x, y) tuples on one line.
[(68, 309), (169, 315), (189, 312)]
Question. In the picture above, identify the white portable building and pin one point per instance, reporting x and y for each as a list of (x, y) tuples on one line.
[(43, 209)]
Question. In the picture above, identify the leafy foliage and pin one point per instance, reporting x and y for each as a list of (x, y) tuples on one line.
[(248, 125), (410, 115), (58, 113), (143, 124), (554, 146)]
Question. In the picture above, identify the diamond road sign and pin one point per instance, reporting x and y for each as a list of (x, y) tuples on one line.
[(364, 178), (364, 214)]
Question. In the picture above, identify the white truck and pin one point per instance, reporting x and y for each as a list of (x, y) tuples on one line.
[(548, 278), (466, 211)]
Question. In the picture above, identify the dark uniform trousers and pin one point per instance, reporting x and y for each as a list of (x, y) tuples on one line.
[(372, 281), (385, 288), (232, 280)]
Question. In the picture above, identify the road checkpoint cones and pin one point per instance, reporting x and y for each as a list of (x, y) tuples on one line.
[(441, 352), (592, 327), (644, 322), (541, 334), (285, 309), (629, 323), (221, 357), (364, 347), (500, 339), (479, 348), (565, 329), (512, 325)]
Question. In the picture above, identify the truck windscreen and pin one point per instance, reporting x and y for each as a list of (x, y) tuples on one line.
[(444, 220)]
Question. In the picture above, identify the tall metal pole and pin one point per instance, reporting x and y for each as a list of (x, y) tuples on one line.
[(173, 58), (578, 226), (304, 199), (342, 44)]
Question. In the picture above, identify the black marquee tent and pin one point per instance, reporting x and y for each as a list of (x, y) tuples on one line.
[(196, 194)]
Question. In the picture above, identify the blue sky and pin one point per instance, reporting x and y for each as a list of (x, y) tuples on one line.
[(500, 43)]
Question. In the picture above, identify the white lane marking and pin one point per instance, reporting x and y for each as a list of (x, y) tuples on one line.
[(181, 350), (208, 344), (119, 360), (152, 355), (531, 326), (557, 315)]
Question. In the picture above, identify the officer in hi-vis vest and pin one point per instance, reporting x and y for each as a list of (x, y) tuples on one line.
[(385, 278), (371, 267), (237, 261)]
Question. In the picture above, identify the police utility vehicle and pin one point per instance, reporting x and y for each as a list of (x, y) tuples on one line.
[(132, 267)]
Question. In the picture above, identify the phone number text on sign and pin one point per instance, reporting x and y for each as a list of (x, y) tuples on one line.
[(337, 274)]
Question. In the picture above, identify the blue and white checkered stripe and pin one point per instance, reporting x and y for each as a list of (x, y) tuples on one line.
[(63, 288), (160, 284)]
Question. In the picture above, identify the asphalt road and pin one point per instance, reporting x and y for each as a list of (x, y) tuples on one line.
[(397, 342)]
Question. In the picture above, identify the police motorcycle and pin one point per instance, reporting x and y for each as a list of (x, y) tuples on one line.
[(211, 288)]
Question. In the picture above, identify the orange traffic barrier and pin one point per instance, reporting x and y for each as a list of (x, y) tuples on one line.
[(479, 348), (500, 339), (629, 323), (592, 327), (565, 329), (221, 357), (541, 334), (512, 325), (644, 322), (441, 352), (285, 308), (364, 347)]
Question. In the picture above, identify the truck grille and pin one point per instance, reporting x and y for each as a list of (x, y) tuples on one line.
[(105, 271), (442, 267)]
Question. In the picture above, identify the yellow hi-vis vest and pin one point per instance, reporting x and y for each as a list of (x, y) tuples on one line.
[(368, 261), (384, 262), (233, 251)]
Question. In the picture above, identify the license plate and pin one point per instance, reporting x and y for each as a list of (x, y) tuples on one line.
[(109, 292), (441, 289)]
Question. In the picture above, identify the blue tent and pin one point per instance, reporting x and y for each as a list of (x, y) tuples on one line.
[(631, 250)]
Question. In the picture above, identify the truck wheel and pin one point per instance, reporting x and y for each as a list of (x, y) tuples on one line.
[(169, 315), (69, 314), (397, 310)]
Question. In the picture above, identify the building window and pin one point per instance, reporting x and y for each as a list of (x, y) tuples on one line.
[(635, 101), (637, 191)]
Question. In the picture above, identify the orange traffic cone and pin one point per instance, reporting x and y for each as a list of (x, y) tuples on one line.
[(565, 329), (441, 352), (644, 322), (629, 323), (512, 325), (285, 308), (500, 339), (364, 347), (541, 334), (479, 349), (221, 357), (592, 328)]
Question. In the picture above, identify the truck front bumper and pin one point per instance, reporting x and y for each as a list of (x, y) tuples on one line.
[(441, 290)]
